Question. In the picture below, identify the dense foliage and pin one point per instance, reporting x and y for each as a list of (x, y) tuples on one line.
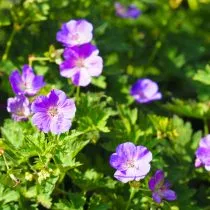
[(60, 168)]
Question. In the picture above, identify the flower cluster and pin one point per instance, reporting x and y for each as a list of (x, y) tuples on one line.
[(81, 59), (27, 84), (132, 163)]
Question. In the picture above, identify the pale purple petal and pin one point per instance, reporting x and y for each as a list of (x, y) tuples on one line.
[(16, 81), (67, 72), (85, 29), (42, 121), (169, 195), (116, 161), (205, 142), (143, 153), (123, 177), (81, 78), (127, 149), (94, 65), (40, 104), (65, 106), (156, 197), (142, 169), (59, 124)]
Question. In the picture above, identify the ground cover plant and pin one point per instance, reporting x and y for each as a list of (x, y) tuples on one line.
[(104, 105)]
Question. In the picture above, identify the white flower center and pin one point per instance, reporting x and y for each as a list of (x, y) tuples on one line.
[(52, 111), (74, 37), (80, 63), (130, 164)]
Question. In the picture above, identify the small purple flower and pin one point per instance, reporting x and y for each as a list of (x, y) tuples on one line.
[(53, 112), (19, 107), (28, 83), (75, 32), (81, 63), (160, 188), (130, 12), (145, 90), (203, 153), (131, 162)]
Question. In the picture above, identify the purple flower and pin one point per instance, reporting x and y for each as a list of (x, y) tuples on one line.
[(131, 162), (160, 188), (19, 107), (81, 63), (130, 12), (53, 112), (27, 83), (203, 153), (145, 90), (75, 32)]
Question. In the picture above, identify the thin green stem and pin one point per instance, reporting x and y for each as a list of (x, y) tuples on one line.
[(77, 93), (6, 164), (158, 45), (206, 126), (132, 193), (31, 59), (9, 44), (12, 176)]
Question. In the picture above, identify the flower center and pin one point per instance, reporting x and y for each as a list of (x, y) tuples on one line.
[(52, 111), (74, 36), (20, 112), (130, 164), (80, 63)]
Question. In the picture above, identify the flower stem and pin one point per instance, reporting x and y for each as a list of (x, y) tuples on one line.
[(132, 193), (9, 44), (206, 127), (77, 93), (31, 59)]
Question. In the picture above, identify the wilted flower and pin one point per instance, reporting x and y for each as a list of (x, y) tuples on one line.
[(27, 83), (75, 32), (203, 153), (145, 90), (53, 112), (81, 63), (19, 107), (132, 162), (130, 12), (160, 188)]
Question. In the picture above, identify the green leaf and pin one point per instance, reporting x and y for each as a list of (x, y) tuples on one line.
[(93, 112), (76, 201), (91, 179), (97, 203), (203, 76), (189, 108), (8, 195)]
